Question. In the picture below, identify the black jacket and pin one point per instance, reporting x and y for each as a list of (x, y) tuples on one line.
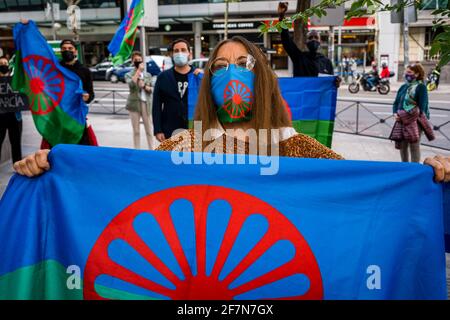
[(85, 76), (169, 111), (306, 64)]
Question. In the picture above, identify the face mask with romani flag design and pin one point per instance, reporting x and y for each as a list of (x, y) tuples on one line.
[(232, 91)]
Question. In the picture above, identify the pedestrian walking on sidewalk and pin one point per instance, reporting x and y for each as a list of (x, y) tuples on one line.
[(411, 113), (139, 103)]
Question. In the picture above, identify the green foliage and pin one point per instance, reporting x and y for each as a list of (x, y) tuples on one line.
[(440, 45)]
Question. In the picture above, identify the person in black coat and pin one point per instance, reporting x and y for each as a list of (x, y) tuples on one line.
[(70, 61), (306, 64), (170, 95)]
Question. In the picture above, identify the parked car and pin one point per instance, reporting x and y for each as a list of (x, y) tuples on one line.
[(116, 74), (155, 65), (99, 71), (199, 63), (163, 62), (112, 72)]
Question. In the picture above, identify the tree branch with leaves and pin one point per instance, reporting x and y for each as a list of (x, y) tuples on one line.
[(358, 8)]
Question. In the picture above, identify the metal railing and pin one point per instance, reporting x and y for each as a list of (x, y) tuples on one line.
[(109, 102), (375, 119), (353, 116)]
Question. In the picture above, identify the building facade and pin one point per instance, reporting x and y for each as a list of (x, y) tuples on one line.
[(202, 23), (99, 21), (421, 35)]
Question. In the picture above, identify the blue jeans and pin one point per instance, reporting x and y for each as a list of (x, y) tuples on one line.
[(371, 82)]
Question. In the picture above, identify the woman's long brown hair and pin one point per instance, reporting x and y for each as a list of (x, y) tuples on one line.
[(268, 111)]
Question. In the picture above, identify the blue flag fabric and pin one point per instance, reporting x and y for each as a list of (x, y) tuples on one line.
[(447, 216), (194, 82), (140, 226), (310, 98), (117, 40)]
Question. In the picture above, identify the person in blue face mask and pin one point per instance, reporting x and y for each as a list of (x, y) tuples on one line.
[(170, 96), (239, 95)]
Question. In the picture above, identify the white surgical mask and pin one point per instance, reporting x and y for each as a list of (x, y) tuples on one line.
[(180, 59)]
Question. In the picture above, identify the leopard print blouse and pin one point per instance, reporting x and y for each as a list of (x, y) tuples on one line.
[(297, 146)]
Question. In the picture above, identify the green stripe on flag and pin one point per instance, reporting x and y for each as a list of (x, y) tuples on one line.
[(125, 50), (43, 281), (58, 127), (48, 281), (320, 130)]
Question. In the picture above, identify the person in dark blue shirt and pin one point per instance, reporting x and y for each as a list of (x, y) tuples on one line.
[(170, 96)]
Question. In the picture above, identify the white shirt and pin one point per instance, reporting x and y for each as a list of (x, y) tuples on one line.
[(143, 92)]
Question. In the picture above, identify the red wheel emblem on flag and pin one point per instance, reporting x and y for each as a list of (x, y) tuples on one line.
[(208, 281), (46, 87), (238, 99)]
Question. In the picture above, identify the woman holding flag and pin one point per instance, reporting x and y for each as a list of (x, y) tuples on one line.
[(256, 103)]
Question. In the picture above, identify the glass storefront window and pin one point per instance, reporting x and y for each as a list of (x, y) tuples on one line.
[(434, 4)]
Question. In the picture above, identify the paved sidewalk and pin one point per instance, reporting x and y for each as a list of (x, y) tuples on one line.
[(116, 131)]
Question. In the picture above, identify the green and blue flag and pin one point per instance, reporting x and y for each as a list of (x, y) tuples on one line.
[(122, 44), (109, 223), (55, 93)]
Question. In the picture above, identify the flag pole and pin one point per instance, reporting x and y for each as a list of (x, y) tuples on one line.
[(143, 40)]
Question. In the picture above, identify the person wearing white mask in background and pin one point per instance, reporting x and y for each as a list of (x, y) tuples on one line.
[(170, 96)]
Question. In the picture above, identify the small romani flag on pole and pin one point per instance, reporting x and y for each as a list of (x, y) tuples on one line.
[(55, 93), (122, 43)]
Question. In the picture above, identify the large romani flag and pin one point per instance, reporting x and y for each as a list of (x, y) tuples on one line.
[(123, 41), (55, 93), (112, 223), (311, 103)]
